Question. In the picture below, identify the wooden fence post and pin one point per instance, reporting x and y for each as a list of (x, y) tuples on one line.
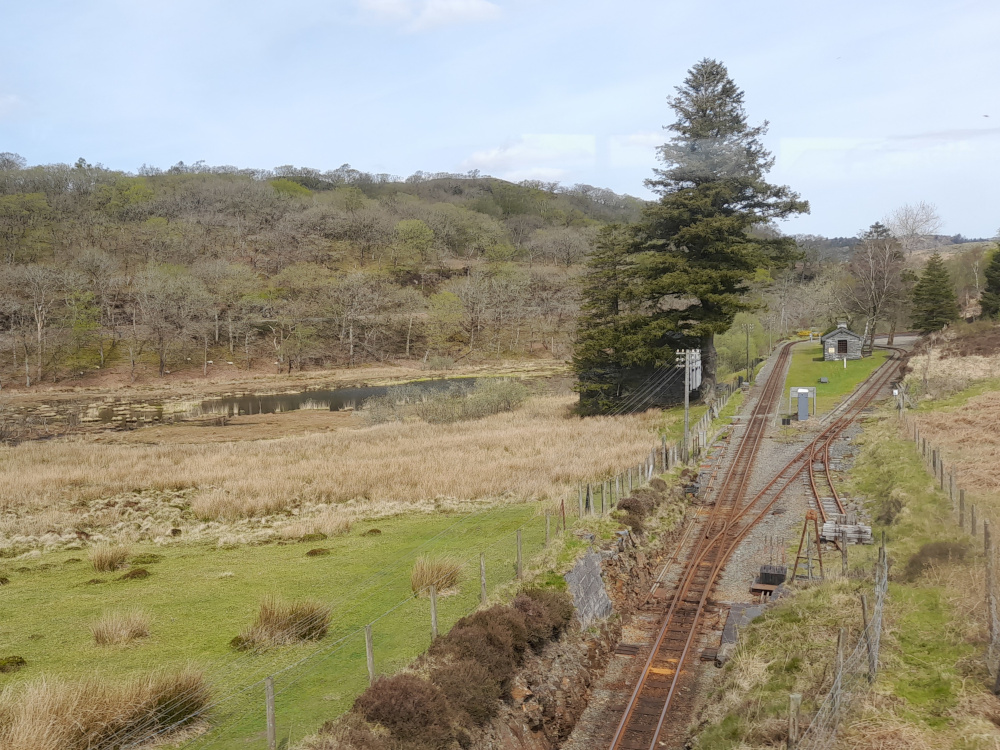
[(272, 726), (434, 612), (941, 464), (547, 522), (838, 674), (589, 506), (794, 705), (482, 578), (972, 519), (843, 552), (370, 653), (520, 571)]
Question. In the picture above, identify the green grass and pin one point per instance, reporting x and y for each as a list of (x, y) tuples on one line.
[(807, 367), (196, 610)]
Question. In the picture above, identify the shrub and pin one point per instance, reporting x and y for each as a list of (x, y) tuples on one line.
[(546, 614), (117, 628), (470, 690), (496, 638), (107, 557), (411, 708), (442, 572), (352, 732), (92, 713), (933, 552), (280, 623)]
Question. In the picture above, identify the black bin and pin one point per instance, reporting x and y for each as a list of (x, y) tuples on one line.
[(773, 575)]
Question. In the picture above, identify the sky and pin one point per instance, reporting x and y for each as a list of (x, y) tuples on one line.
[(871, 105)]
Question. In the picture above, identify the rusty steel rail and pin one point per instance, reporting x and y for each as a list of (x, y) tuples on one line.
[(656, 691), (655, 688)]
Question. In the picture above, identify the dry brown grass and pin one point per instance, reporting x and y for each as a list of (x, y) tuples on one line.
[(540, 451), (328, 523), (93, 713), (969, 436), (108, 557), (281, 623), (119, 628), (442, 572)]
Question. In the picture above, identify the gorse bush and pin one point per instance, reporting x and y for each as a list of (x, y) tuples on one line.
[(117, 628), (281, 623), (107, 557), (92, 713), (442, 572)]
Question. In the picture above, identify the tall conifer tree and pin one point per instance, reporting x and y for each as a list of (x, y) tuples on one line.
[(695, 250), (934, 301), (990, 301)]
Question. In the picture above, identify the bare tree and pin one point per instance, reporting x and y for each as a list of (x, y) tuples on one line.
[(874, 284), (912, 222)]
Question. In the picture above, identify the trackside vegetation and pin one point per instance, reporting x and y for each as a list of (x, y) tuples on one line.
[(933, 688)]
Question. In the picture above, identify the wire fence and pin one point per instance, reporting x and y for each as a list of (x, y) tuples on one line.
[(973, 519), (853, 673), (289, 691), (602, 495)]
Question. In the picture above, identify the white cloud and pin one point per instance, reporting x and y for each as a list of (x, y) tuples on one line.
[(888, 157), (634, 149), (420, 15), (387, 11), (536, 157)]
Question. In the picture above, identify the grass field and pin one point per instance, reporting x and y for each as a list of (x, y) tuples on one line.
[(198, 597), (807, 367)]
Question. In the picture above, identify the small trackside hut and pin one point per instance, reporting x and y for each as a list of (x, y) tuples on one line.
[(840, 343)]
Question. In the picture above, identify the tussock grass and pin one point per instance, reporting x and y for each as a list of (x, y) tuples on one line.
[(108, 557), (118, 628), (442, 572), (95, 713), (327, 524), (281, 623), (540, 451)]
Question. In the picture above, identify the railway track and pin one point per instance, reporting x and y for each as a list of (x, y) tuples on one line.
[(662, 701)]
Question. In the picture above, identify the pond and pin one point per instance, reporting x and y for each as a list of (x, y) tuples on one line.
[(333, 399)]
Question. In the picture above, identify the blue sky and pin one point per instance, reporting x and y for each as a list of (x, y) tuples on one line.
[(871, 104)]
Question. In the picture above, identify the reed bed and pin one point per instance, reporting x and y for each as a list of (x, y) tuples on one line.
[(540, 451), (442, 572), (120, 628), (95, 713)]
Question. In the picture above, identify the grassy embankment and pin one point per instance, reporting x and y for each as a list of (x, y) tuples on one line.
[(932, 691), (807, 367)]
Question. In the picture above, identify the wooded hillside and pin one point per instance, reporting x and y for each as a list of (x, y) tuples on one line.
[(285, 268)]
